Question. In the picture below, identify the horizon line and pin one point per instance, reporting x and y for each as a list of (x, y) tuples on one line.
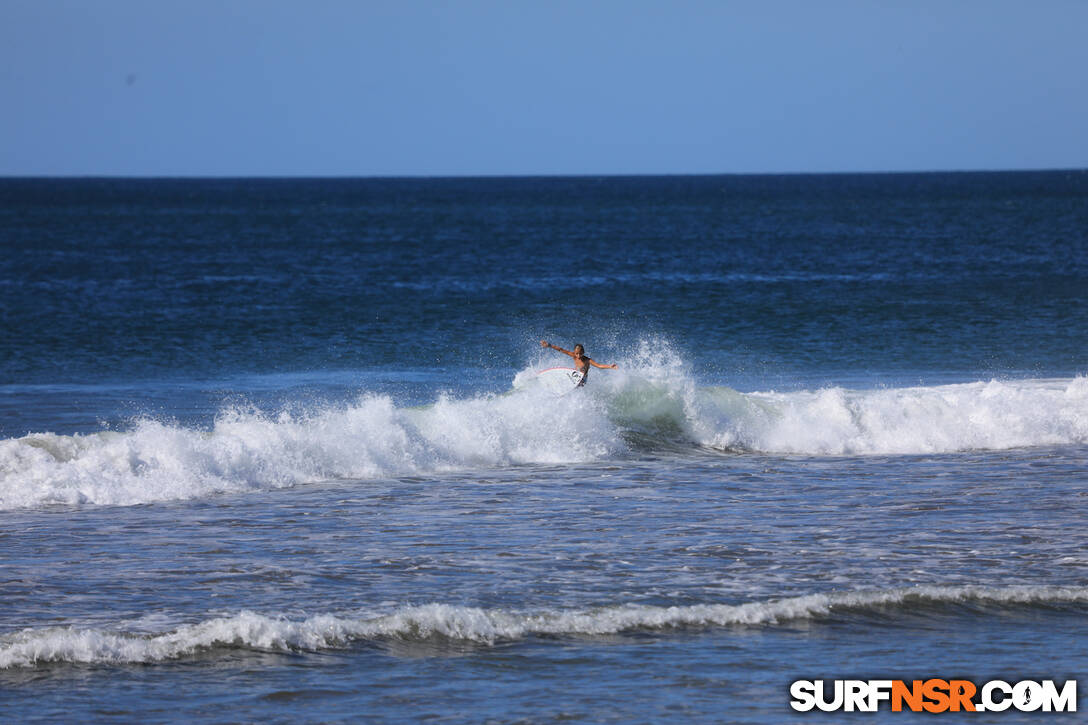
[(586, 175)]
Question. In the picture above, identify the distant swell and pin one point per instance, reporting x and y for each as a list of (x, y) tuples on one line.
[(637, 407), (431, 622)]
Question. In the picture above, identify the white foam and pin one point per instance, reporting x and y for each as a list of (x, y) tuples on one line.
[(654, 391), (995, 415), (651, 394), (245, 450), (251, 630)]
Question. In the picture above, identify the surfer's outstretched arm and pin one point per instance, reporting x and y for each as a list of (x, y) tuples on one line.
[(545, 343)]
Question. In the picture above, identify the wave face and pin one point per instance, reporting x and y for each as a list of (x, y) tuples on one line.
[(641, 406), (431, 622), (991, 415)]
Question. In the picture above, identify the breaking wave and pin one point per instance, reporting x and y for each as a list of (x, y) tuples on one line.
[(994, 415), (247, 450), (440, 622), (644, 405)]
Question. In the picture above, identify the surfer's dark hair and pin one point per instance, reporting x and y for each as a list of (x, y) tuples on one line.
[(579, 347)]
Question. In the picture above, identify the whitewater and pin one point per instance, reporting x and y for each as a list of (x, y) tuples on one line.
[(438, 622), (619, 416)]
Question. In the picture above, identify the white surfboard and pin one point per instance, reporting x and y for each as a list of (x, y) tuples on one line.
[(560, 380)]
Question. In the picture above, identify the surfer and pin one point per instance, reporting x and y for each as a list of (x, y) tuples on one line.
[(581, 360)]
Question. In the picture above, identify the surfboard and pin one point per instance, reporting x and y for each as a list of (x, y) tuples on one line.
[(559, 380)]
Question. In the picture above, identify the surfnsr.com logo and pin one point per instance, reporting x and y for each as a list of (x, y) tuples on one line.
[(933, 695)]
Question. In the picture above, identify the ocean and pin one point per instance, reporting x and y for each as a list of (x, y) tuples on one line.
[(275, 449)]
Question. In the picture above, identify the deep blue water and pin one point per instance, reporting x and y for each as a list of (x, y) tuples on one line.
[(278, 444)]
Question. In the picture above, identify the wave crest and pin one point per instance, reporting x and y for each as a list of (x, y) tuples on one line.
[(250, 630), (638, 407), (370, 438), (991, 415)]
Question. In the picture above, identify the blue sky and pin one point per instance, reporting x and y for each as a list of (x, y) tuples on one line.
[(263, 87)]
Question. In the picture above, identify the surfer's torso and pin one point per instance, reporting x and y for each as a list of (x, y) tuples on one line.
[(581, 360), (581, 364)]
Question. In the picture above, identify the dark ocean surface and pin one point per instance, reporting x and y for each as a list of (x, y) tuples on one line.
[(275, 450)]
